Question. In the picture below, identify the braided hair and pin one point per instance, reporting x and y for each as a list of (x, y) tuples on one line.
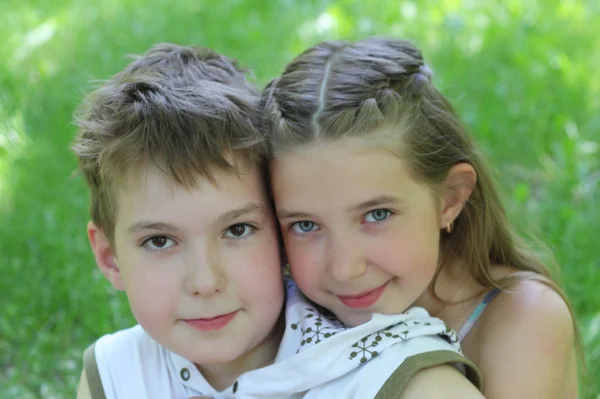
[(380, 90)]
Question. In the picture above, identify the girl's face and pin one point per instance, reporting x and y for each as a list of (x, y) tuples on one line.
[(361, 235)]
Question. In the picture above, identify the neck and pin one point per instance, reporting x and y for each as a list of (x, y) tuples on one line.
[(455, 291), (222, 376)]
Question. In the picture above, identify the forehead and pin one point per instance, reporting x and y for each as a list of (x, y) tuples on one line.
[(148, 193), (344, 156), (338, 172)]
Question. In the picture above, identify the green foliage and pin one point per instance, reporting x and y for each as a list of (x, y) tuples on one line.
[(523, 75)]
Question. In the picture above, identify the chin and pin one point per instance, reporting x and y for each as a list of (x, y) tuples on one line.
[(215, 355), (353, 320)]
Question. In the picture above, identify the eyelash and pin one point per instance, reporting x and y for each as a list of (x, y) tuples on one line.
[(253, 230), (291, 227), (145, 243), (389, 214)]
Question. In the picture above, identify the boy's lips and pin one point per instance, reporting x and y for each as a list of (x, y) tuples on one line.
[(211, 323), (363, 300)]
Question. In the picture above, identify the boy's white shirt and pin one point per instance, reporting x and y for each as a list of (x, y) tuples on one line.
[(346, 363)]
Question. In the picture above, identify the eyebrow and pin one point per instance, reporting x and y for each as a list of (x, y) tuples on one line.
[(149, 225), (372, 203), (285, 214), (224, 218), (230, 216), (377, 201)]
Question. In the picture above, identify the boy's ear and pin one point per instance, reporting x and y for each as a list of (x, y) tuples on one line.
[(105, 256), (456, 190)]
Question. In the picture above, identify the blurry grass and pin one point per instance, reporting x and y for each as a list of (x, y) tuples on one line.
[(523, 76)]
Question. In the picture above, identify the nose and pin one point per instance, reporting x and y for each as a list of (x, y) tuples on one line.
[(205, 274), (346, 260)]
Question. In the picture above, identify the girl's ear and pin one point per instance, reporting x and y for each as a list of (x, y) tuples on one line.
[(105, 256), (456, 190)]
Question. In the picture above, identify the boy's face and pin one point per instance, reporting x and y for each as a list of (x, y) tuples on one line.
[(200, 266)]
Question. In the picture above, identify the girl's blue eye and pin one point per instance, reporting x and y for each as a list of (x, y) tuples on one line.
[(303, 227), (240, 230), (158, 243), (377, 215)]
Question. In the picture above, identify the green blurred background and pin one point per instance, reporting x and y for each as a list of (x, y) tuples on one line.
[(524, 77)]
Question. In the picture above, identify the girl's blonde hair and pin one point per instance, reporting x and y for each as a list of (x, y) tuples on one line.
[(381, 89)]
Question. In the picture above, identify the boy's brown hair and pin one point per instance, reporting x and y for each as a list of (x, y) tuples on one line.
[(187, 110)]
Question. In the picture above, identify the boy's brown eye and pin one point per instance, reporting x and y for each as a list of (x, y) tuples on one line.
[(238, 230), (159, 241)]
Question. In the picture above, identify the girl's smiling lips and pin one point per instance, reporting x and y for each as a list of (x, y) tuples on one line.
[(364, 299)]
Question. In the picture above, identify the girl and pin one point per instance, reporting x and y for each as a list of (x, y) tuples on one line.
[(384, 203)]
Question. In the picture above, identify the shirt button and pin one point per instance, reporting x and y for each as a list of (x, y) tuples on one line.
[(185, 374)]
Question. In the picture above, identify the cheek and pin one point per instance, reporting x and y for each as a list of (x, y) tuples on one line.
[(257, 272), (406, 253), (151, 290), (306, 264)]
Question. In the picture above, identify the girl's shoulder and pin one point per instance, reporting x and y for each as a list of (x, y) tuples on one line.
[(527, 331), (528, 303)]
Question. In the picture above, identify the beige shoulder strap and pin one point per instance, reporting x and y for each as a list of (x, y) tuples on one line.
[(397, 382), (91, 373)]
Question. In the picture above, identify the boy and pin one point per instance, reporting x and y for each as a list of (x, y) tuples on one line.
[(182, 223), (170, 152)]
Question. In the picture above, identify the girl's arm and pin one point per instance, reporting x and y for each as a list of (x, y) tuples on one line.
[(527, 343), (441, 382)]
